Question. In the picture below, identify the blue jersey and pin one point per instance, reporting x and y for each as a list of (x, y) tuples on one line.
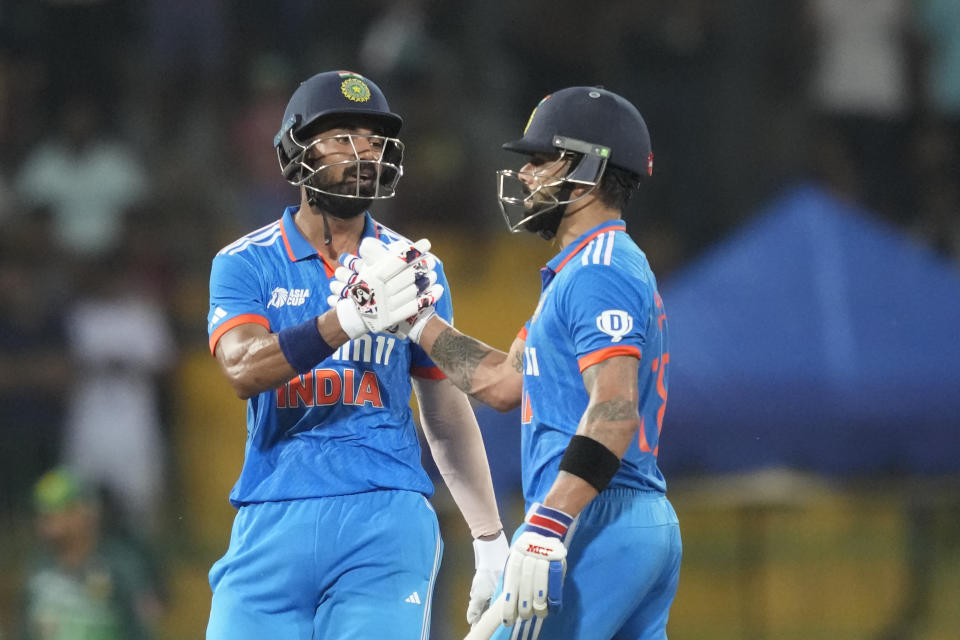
[(344, 428), (599, 299)]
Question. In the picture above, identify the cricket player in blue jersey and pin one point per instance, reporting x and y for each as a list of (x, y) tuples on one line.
[(334, 535), (598, 556)]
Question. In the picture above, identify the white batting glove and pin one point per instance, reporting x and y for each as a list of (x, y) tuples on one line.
[(393, 289), (533, 578), (413, 326), (489, 556), (379, 261)]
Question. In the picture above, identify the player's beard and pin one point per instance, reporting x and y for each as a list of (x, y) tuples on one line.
[(349, 204), (547, 215)]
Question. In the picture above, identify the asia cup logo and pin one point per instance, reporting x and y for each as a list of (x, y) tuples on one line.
[(292, 297), (615, 323), (278, 298)]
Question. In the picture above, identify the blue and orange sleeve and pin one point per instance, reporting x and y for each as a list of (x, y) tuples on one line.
[(596, 294)]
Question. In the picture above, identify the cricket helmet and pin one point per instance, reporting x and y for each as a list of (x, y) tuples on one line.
[(335, 97), (589, 126)]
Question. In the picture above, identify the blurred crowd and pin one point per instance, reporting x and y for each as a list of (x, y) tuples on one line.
[(136, 139)]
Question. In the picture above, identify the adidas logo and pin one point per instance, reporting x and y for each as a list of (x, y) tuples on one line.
[(413, 598)]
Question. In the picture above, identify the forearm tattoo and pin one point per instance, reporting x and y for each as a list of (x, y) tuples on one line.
[(518, 361), (612, 411), (459, 356)]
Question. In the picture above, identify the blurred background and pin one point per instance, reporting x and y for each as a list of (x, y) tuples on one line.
[(803, 221)]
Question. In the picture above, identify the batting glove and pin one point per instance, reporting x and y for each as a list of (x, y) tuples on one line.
[(392, 288), (489, 556), (533, 578)]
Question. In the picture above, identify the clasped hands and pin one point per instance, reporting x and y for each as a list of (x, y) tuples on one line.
[(386, 288)]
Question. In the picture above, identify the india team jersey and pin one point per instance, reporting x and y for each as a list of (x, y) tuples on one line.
[(346, 427), (599, 299)]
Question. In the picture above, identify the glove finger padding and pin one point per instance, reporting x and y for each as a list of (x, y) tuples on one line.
[(344, 277), (425, 280), (533, 579), (413, 326), (423, 262), (386, 261), (540, 588), (396, 264), (511, 588), (392, 287), (527, 587)]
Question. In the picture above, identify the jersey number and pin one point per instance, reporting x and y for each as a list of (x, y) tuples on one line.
[(659, 366)]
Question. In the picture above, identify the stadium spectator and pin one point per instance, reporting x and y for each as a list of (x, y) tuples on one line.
[(84, 583), (86, 176), (120, 344)]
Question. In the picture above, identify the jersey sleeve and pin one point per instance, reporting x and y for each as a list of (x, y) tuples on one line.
[(235, 297), (607, 312), (420, 363)]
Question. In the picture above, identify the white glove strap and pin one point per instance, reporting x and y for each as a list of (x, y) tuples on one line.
[(350, 320)]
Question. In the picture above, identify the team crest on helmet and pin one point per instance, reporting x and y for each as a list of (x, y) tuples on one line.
[(355, 89)]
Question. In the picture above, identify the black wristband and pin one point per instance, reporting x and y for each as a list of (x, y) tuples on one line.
[(303, 346), (588, 459)]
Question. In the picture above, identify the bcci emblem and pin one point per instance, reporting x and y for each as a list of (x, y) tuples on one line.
[(355, 89), (615, 323)]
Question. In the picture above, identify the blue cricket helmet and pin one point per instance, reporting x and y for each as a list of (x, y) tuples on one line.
[(327, 95), (592, 115)]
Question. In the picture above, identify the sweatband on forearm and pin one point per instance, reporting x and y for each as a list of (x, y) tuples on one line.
[(590, 460), (303, 346)]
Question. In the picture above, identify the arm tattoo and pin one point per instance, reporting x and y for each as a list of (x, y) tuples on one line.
[(518, 361), (458, 355), (612, 411)]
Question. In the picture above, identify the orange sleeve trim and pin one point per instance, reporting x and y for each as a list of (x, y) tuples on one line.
[(245, 318), (522, 334), (609, 352), (430, 373)]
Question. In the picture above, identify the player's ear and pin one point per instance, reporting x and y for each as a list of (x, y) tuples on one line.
[(580, 191)]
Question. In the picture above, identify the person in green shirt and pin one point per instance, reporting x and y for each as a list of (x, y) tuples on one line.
[(84, 583)]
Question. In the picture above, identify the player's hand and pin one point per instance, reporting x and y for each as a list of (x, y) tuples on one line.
[(533, 578), (413, 326), (489, 556), (393, 288), (369, 306), (385, 262)]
